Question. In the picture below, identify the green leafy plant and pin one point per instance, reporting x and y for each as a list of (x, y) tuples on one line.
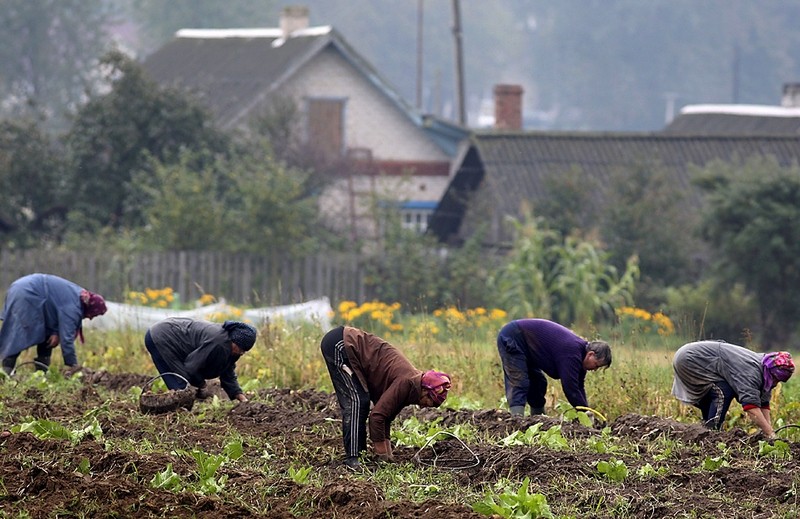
[(83, 466), (48, 429), (520, 504), (712, 463), (613, 469), (550, 438), (300, 475), (571, 414), (413, 433), (168, 479), (648, 471), (779, 449), (233, 450)]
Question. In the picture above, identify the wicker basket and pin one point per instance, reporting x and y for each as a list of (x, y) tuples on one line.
[(172, 400)]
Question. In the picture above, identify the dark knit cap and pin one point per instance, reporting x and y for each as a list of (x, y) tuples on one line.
[(243, 334)]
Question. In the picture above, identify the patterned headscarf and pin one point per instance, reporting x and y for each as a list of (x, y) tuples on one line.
[(93, 304), (243, 334), (437, 385), (777, 366)]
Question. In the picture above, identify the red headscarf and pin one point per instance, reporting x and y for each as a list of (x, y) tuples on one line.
[(437, 385), (777, 366), (93, 304)]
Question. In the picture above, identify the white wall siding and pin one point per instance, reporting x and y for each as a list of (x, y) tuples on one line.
[(371, 120)]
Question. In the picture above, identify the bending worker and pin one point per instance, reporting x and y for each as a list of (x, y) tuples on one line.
[(710, 374), (364, 368), (531, 348), (198, 351), (46, 311)]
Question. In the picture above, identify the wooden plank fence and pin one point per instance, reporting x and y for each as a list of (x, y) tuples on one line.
[(239, 278)]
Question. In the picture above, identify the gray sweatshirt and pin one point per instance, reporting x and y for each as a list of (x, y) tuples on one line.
[(698, 365)]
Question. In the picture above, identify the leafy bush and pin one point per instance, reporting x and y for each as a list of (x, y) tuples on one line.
[(520, 504)]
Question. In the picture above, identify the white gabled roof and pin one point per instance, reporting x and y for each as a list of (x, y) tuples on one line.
[(751, 110), (266, 32)]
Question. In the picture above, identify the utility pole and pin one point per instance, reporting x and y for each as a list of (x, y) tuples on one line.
[(420, 8), (460, 105)]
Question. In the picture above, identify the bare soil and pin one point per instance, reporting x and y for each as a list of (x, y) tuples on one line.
[(39, 477)]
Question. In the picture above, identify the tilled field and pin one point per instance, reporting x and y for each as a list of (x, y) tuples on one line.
[(668, 469)]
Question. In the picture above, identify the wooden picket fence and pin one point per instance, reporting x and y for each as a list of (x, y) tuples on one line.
[(239, 278)]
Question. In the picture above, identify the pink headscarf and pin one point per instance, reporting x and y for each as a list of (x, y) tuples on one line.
[(93, 304), (437, 385), (777, 366)]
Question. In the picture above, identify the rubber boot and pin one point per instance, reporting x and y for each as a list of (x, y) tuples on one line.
[(8, 365), (351, 462), (517, 410), (42, 363), (537, 410)]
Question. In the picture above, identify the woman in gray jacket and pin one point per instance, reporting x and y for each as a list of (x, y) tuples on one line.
[(710, 374), (198, 351)]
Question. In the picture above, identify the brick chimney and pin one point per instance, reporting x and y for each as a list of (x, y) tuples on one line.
[(293, 18), (508, 107), (791, 95)]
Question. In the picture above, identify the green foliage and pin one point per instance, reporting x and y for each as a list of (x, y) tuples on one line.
[(520, 504), (648, 471), (300, 475), (569, 207), (32, 205), (407, 268), (247, 203), (233, 450), (613, 470), (168, 479), (778, 449), (207, 465), (117, 133), (712, 463), (413, 433), (534, 435), (566, 280), (750, 217), (84, 467), (645, 216), (571, 414), (49, 429), (713, 309)]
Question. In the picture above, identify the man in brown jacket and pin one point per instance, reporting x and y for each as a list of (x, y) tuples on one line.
[(364, 368)]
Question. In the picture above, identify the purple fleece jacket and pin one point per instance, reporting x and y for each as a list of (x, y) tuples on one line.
[(558, 352)]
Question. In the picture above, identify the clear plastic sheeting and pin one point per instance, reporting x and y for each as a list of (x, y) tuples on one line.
[(123, 316)]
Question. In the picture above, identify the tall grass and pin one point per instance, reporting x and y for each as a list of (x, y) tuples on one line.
[(462, 344)]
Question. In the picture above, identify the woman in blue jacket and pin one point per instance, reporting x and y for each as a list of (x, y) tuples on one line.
[(46, 311)]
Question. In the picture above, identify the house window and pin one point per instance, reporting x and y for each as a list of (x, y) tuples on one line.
[(415, 215), (326, 125)]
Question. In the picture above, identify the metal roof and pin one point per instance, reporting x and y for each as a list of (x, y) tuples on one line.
[(503, 169)]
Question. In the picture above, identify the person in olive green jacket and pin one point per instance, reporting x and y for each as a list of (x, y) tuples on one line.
[(363, 368)]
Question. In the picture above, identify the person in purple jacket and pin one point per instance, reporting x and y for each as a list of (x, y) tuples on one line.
[(45, 311), (533, 348)]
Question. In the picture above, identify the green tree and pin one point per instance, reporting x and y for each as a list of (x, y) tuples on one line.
[(243, 203), (48, 51), (751, 218), (647, 214), (568, 207), (565, 279), (117, 132), (406, 267), (33, 205)]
